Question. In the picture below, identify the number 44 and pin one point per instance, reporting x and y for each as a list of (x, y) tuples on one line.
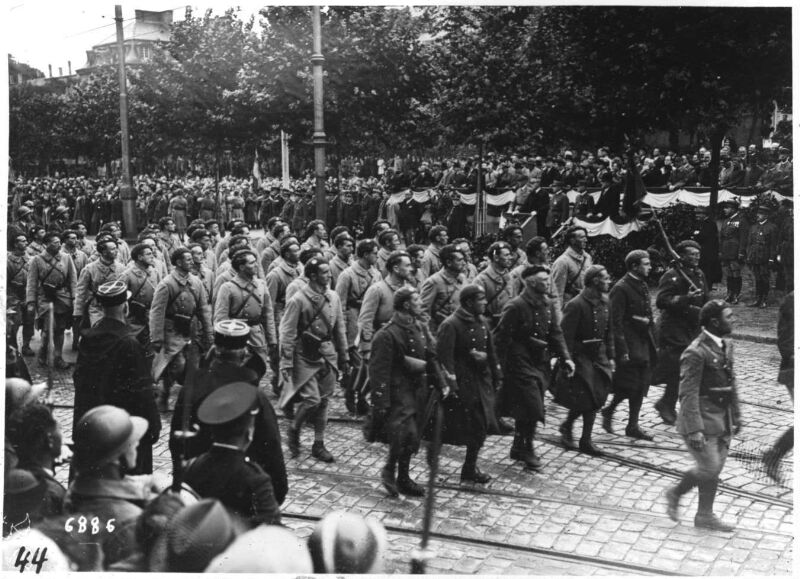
[(24, 557)]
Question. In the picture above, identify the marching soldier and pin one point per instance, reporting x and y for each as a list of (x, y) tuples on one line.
[(17, 263), (733, 247), (495, 281), (432, 261), (762, 246), (526, 337), (316, 235), (389, 242), (106, 268), (681, 293), (589, 336), (272, 252), (343, 257), (123, 252), (279, 278), (69, 240), (397, 373), (112, 369), (202, 271), (178, 299), (225, 365), (225, 472), (440, 291), (537, 252), (203, 237), (466, 352), (378, 305), (570, 267), (312, 346), (247, 298), (634, 345), (51, 284), (167, 239), (142, 279), (85, 245)]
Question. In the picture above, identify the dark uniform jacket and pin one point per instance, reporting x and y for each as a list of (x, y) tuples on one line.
[(397, 385), (680, 314), (526, 361), (733, 238), (471, 415), (265, 449), (589, 336), (632, 320), (762, 243), (112, 369), (226, 474), (709, 402)]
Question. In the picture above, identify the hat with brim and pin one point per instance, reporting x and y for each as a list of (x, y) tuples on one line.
[(227, 403), (97, 426)]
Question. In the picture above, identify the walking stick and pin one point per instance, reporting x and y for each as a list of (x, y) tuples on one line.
[(51, 313), (420, 557), (186, 433)]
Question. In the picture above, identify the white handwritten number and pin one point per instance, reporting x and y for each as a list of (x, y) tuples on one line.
[(24, 558)]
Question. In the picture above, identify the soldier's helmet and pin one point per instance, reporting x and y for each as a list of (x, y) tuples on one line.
[(347, 543), (104, 433)]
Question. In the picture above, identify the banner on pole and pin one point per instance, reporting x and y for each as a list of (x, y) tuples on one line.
[(285, 159)]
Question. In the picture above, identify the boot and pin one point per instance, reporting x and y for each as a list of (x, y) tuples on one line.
[(471, 473), (350, 400), (667, 414), (675, 493), (634, 431), (293, 437), (405, 484), (608, 415), (566, 435), (517, 448), (531, 460), (389, 481), (737, 290), (705, 517), (319, 452), (587, 447)]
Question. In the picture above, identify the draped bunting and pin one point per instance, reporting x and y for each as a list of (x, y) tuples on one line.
[(659, 200), (608, 227)]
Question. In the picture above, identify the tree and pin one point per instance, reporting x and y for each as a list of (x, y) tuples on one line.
[(34, 120)]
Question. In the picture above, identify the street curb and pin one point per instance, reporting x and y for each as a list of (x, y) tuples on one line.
[(754, 338)]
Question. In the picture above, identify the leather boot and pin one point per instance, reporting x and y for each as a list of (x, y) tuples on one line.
[(566, 435), (293, 437), (517, 448), (587, 447), (389, 481), (405, 484), (531, 460), (608, 415), (471, 473)]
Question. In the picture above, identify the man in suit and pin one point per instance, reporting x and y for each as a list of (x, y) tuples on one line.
[(224, 472), (709, 413)]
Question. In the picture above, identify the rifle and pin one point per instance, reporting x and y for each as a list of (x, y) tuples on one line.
[(186, 433), (50, 353), (676, 260), (564, 225)]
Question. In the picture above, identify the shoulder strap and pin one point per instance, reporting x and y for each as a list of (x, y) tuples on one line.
[(47, 275), (317, 312), (139, 289), (244, 302), (577, 275)]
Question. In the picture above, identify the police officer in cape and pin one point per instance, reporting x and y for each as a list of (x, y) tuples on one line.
[(179, 298), (397, 370), (225, 472), (112, 370), (465, 349), (225, 364), (527, 336), (709, 412), (682, 291)]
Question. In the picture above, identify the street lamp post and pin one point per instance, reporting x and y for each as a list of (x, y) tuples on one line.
[(126, 191), (317, 60)]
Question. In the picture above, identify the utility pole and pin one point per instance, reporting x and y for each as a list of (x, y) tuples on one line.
[(126, 191), (318, 139)]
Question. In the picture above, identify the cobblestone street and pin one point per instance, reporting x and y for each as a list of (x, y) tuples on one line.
[(579, 515)]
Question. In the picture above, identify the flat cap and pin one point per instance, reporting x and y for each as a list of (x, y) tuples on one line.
[(228, 403)]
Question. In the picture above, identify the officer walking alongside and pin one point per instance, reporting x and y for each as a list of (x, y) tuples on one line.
[(709, 413)]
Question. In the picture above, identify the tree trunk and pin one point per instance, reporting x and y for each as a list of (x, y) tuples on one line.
[(717, 135)]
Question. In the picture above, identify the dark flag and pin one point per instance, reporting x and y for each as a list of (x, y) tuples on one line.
[(634, 188)]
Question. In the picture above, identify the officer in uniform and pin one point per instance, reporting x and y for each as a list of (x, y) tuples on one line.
[(178, 299), (247, 298), (17, 263), (709, 414), (223, 365), (51, 284), (312, 345), (225, 472), (397, 372), (378, 305), (762, 247), (733, 247), (439, 292), (112, 369), (142, 279), (98, 272), (680, 302), (526, 337)]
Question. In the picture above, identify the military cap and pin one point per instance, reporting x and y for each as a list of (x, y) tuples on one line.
[(733, 202), (228, 403), (23, 210), (112, 293), (200, 233), (232, 334), (209, 222), (469, 292), (61, 210), (764, 209), (103, 433)]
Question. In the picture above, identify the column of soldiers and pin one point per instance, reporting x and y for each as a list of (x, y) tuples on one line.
[(240, 309)]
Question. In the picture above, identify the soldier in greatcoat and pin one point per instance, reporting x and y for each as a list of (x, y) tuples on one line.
[(680, 303), (634, 345), (272, 251), (247, 298), (733, 247), (439, 292), (389, 242), (397, 372), (312, 346), (202, 271), (341, 260), (95, 274), (178, 299), (526, 338), (465, 349), (167, 240), (142, 279), (431, 260), (17, 263), (279, 278), (495, 281), (51, 284), (762, 247), (589, 336)]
